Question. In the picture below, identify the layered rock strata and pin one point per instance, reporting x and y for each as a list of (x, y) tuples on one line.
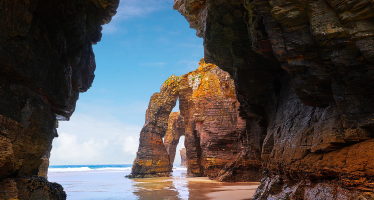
[(304, 76), (46, 60), (175, 131), (216, 141), (43, 168), (183, 157)]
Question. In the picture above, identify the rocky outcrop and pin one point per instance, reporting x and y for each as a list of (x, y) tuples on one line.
[(183, 157), (152, 158), (43, 168), (46, 59), (30, 188), (216, 141), (173, 134), (303, 72)]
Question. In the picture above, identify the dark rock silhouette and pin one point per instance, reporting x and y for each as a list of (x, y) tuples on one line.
[(46, 60)]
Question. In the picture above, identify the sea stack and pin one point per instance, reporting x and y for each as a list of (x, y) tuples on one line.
[(216, 141)]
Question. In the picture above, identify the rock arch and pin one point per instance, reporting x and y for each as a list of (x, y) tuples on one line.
[(175, 131), (216, 138)]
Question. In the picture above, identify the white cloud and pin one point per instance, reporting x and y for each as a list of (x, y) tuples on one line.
[(96, 137), (154, 64), (110, 28), (68, 149), (188, 65), (130, 145), (135, 8), (180, 146)]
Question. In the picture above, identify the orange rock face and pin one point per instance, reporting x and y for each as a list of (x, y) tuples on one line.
[(216, 141), (152, 157)]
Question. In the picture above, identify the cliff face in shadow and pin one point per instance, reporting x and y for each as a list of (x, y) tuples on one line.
[(46, 60), (217, 142), (304, 73)]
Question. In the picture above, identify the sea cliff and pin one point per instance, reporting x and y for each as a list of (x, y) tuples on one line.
[(46, 60), (304, 75)]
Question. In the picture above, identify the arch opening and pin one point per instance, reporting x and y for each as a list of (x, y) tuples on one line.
[(180, 156)]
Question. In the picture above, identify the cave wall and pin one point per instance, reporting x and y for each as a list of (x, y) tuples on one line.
[(217, 140), (303, 72), (46, 60)]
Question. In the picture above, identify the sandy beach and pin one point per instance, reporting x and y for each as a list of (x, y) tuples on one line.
[(233, 192), (224, 191), (112, 184)]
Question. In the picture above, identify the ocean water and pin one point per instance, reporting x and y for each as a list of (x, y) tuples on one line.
[(108, 182), (86, 168)]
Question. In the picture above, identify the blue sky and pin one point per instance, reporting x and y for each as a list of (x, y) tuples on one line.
[(146, 42)]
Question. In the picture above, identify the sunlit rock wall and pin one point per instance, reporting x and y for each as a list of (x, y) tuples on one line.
[(304, 77), (46, 59), (152, 158), (217, 142)]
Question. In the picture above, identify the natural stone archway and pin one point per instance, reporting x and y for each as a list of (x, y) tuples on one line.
[(216, 138), (152, 159), (173, 134), (46, 60), (303, 72)]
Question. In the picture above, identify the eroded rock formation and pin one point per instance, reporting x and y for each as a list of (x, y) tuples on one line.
[(173, 134), (152, 158), (43, 168), (217, 144), (304, 76), (46, 59), (183, 157)]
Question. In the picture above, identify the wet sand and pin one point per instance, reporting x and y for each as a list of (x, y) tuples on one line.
[(233, 192), (222, 191), (113, 185)]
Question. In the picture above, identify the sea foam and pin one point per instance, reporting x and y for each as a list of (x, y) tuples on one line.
[(87, 169), (68, 169), (97, 168), (179, 168)]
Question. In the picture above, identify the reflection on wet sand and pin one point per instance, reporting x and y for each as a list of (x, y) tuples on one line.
[(180, 187)]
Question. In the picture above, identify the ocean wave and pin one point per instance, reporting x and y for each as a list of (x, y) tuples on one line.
[(68, 169), (115, 168), (87, 169), (179, 169), (99, 169)]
